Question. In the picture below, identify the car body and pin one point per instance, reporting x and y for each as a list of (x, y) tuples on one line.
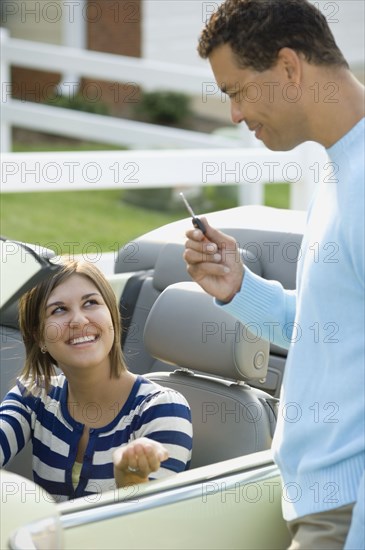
[(175, 335)]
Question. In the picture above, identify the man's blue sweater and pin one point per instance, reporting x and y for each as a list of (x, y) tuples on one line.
[(319, 440)]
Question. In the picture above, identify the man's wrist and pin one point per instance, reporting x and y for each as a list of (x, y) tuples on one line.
[(234, 293)]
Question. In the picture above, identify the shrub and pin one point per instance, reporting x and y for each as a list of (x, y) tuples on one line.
[(163, 107), (78, 103)]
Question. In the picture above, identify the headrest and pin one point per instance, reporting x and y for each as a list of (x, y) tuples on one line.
[(186, 328), (170, 266)]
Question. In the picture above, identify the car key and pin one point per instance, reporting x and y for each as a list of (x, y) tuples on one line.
[(196, 221)]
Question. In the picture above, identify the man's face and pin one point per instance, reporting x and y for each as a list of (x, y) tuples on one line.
[(268, 101)]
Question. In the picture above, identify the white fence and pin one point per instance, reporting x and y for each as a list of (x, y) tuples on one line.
[(249, 168), (209, 159), (119, 71)]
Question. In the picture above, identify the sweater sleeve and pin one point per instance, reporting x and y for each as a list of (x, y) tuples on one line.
[(165, 417), (265, 306), (15, 425)]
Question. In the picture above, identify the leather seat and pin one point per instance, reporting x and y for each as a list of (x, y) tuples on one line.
[(270, 243), (217, 358)]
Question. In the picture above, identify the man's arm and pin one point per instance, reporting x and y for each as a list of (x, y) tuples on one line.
[(214, 262)]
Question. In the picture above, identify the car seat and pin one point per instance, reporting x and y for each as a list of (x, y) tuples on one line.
[(217, 357), (270, 253)]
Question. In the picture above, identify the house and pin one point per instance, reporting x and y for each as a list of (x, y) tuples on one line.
[(101, 25)]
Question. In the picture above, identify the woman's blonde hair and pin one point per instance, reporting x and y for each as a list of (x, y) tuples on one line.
[(39, 367)]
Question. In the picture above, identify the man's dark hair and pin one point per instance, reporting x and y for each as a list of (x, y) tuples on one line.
[(256, 30)]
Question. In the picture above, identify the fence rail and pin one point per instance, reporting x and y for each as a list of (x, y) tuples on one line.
[(119, 70), (248, 168), (105, 129), (150, 74)]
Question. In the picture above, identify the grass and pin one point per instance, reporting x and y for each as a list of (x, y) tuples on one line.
[(62, 145), (92, 221), (277, 195), (80, 217)]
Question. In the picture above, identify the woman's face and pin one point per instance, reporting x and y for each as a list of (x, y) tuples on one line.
[(78, 328)]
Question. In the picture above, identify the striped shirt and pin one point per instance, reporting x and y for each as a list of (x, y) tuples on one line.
[(150, 411)]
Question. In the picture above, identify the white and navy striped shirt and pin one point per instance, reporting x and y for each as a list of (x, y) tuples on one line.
[(150, 411)]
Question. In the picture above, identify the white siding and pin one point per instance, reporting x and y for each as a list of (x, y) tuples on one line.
[(171, 28), (40, 21)]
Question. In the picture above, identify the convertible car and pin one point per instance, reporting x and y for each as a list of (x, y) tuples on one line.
[(174, 334)]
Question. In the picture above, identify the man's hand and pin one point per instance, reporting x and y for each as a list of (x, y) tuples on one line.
[(134, 462), (213, 261)]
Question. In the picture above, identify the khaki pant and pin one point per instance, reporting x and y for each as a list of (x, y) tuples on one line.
[(322, 531)]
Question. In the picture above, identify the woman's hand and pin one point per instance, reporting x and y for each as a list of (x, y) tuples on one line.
[(134, 462), (213, 261)]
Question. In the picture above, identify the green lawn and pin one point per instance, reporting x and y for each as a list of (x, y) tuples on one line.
[(89, 221), (62, 145), (277, 195), (79, 217)]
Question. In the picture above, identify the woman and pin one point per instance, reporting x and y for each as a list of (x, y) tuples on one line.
[(94, 425)]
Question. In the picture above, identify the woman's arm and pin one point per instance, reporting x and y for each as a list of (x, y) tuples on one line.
[(161, 442), (15, 426)]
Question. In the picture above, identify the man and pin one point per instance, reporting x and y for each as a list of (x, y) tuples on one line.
[(287, 80)]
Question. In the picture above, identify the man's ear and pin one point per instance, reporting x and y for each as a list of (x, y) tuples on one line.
[(291, 63)]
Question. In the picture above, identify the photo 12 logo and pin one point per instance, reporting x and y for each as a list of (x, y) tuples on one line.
[(28, 11)]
